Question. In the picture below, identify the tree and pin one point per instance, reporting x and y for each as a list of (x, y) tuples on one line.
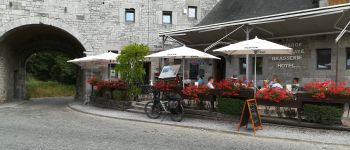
[(51, 65), (130, 66)]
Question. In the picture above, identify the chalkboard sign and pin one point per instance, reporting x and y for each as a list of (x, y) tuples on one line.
[(250, 112)]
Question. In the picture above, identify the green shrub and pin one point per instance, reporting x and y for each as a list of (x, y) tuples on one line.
[(130, 66), (120, 95), (230, 106), (323, 114), (36, 88)]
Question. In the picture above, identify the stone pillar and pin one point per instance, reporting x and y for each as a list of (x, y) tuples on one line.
[(2, 77), (4, 73)]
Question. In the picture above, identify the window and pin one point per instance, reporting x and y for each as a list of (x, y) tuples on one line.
[(259, 65), (347, 58), (167, 17), (324, 59), (192, 12), (130, 15), (242, 65), (194, 70)]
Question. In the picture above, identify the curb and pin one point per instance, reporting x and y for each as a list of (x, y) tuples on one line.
[(304, 124), (207, 129), (12, 104)]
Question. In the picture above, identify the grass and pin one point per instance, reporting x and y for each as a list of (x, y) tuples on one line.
[(36, 89)]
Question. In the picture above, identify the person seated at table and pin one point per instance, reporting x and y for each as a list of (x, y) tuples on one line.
[(178, 78), (234, 78), (274, 78), (295, 85), (210, 83), (265, 85), (199, 80), (276, 84)]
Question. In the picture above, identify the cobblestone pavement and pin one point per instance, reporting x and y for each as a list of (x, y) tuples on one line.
[(48, 124), (269, 130)]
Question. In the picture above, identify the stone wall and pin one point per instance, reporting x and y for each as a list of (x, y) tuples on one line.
[(102, 23), (99, 25), (302, 64)]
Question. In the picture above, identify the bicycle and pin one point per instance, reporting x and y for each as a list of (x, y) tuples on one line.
[(171, 105)]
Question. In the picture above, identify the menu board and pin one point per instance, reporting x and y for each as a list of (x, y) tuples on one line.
[(250, 112), (169, 71)]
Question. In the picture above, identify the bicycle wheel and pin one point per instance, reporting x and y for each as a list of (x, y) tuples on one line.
[(153, 110), (178, 115)]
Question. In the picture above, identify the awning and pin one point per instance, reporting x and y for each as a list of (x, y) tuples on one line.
[(310, 22)]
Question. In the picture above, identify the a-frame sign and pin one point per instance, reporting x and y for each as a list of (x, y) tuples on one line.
[(250, 112)]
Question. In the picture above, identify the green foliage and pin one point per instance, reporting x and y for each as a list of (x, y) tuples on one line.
[(230, 106), (51, 65), (120, 95), (323, 114), (130, 65), (36, 88)]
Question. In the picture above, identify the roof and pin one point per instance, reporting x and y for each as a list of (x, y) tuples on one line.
[(309, 22), (230, 10)]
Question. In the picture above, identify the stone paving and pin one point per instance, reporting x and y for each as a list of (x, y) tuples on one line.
[(48, 124), (268, 131)]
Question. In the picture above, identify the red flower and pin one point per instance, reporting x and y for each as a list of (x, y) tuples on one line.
[(101, 85), (274, 94), (93, 80), (117, 84), (321, 90), (194, 92), (166, 85), (229, 88)]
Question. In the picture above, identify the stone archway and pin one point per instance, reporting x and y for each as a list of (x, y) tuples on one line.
[(19, 39)]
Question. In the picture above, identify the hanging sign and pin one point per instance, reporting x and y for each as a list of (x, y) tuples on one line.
[(250, 113)]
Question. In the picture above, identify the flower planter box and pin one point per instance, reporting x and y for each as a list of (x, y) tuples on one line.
[(290, 103), (242, 94), (111, 103), (246, 93), (307, 98)]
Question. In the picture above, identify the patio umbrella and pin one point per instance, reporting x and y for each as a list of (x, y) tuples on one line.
[(255, 46), (109, 58), (86, 62), (182, 53), (96, 60)]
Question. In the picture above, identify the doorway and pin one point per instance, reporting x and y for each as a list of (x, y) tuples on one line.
[(147, 77), (220, 69)]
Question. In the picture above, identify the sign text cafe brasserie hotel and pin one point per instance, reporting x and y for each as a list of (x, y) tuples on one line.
[(319, 37)]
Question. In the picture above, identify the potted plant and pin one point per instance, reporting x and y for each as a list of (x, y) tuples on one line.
[(197, 93), (130, 67), (92, 81), (326, 91)]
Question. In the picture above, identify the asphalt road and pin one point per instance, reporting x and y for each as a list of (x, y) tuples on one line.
[(48, 124)]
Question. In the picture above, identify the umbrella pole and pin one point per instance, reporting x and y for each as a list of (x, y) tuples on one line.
[(255, 73), (109, 71), (183, 72)]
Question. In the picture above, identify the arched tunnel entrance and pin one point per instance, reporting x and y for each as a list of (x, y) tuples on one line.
[(19, 43)]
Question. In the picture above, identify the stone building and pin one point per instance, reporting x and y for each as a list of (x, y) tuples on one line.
[(84, 27), (310, 27)]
